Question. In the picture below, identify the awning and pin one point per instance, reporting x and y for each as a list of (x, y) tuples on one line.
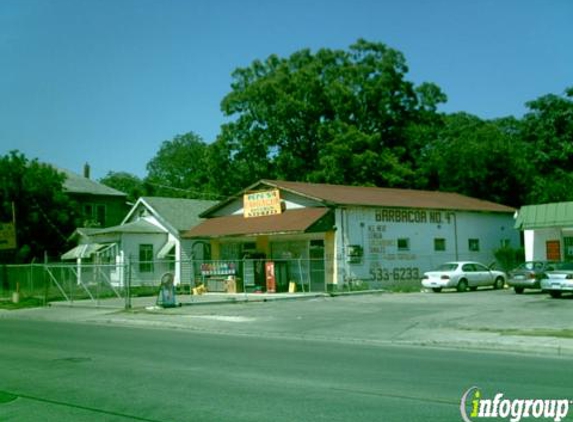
[(292, 221), (558, 214), (83, 251), (166, 249)]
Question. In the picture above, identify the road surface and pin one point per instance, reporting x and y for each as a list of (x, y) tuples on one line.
[(58, 371)]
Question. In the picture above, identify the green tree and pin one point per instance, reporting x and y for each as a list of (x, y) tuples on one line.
[(45, 216), (333, 116), (479, 158), (132, 185), (181, 168), (548, 132)]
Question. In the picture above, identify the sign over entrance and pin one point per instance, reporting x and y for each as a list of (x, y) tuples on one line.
[(259, 204)]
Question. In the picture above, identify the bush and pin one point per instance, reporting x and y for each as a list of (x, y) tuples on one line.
[(509, 258)]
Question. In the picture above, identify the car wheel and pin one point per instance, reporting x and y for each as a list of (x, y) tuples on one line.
[(437, 289), (518, 290), (499, 283), (555, 294), (462, 285)]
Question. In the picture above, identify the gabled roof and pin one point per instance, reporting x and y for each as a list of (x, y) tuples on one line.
[(179, 214), (559, 214), (333, 195), (75, 183)]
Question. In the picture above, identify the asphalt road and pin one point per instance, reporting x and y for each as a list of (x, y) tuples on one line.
[(58, 371)]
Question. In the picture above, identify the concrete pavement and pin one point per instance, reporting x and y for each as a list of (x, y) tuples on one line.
[(489, 320)]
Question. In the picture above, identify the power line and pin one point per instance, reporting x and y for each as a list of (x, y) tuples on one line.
[(191, 191)]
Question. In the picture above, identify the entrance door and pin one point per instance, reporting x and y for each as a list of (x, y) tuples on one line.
[(316, 254), (553, 250)]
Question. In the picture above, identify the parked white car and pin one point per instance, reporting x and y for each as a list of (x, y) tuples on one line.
[(558, 281), (462, 275)]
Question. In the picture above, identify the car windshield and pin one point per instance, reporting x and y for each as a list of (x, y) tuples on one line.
[(564, 266), (447, 267)]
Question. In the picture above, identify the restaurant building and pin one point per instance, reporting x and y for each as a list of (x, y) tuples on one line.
[(331, 237)]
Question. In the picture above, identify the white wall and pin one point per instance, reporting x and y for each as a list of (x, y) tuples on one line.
[(377, 230), (535, 242), (131, 244)]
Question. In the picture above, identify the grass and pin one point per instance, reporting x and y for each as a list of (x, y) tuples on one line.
[(566, 333)]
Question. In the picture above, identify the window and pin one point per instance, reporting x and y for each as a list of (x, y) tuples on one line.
[(94, 214), (439, 244), (473, 245), (468, 268), (100, 215), (88, 211), (404, 244), (145, 258)]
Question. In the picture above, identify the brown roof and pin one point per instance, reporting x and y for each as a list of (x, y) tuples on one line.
[(292, 221), (387, 197)]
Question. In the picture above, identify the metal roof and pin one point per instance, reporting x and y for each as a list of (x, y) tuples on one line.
[(339, 195), (559, 214), (82, 251), (292, 221)]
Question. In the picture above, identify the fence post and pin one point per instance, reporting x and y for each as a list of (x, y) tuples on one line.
[(128, 286)]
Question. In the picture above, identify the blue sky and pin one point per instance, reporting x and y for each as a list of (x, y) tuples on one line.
[(107, 81)]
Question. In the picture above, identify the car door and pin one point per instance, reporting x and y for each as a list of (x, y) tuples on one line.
[(470, 274), (483, 274)]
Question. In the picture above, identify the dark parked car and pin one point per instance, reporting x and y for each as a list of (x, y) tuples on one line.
[(529, 274)]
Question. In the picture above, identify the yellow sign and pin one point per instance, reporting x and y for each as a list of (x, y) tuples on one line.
[(259, 204), (7, 236)]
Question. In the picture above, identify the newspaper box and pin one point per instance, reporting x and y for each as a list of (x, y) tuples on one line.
[(166, 298)]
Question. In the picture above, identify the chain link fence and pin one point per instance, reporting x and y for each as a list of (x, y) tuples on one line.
[(117, 285)]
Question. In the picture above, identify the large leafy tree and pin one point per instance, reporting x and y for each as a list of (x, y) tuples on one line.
[(333, 116), (480, 158), (181, 168), (132, 185), (45, 215), (548, 132)]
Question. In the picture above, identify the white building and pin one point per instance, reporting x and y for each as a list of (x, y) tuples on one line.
[(547, 231), (149, 237), (326, 236)]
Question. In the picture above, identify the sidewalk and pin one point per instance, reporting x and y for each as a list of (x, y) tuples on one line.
[(494, 321), (151, 302)]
